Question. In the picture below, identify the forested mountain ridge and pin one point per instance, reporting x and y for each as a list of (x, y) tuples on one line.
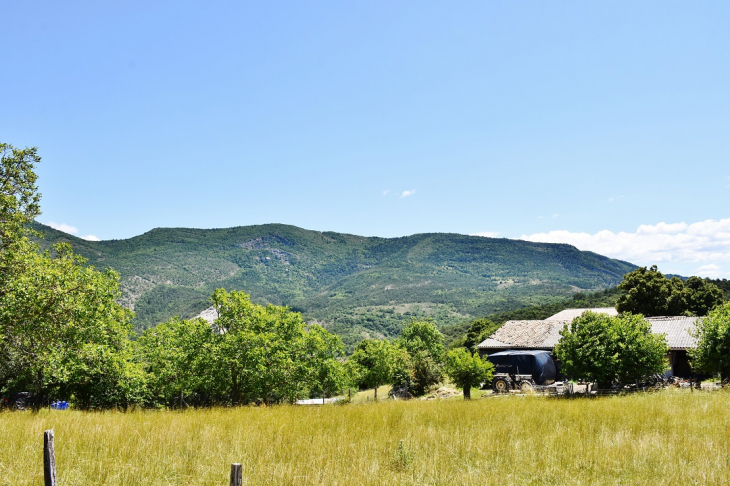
[(354, 285)]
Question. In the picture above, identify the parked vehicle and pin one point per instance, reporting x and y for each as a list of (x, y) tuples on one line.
[(521, 370), (17, 401)]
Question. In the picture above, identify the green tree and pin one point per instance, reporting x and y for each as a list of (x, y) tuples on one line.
[(701, 296), (467, 370), (19, 197), (375, 360), (479, 330), (179, 356), (324, 353), (420, 335), (424, 346), (62, 332), (606, 349), (262, 351), (250, 354), (712, 354), (650, 293)]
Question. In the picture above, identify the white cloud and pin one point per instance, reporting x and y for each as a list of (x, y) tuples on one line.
[(555, 215), (661, 228), (486, 234), (66, 228), (706, 242), (615, 198), (709, 271), (72, 230), (408, 193), (386, 192)]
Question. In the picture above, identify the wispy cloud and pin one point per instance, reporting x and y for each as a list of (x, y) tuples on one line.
[(386, 192), (615, 198), (555, 215), (486, 234), (706, 242), (66, 228), (408, 193)]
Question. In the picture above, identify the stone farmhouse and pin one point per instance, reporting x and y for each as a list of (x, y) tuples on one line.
[(544, 335)]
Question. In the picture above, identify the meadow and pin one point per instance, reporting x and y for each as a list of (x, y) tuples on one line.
[(672, 437)]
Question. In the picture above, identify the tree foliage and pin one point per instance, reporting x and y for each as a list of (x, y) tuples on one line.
[(62, 333), (19, 197), (250, 354), (179, 357), (467, 370), (424, 346), (650, 293), (712, 354), (607, 350), (377, 362), (479, 330)]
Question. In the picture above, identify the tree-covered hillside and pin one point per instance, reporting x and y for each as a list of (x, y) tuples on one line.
[(356, 286)]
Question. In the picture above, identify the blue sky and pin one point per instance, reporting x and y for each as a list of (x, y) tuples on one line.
[(601, 124)]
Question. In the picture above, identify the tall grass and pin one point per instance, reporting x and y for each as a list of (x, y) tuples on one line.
[(674, 437)]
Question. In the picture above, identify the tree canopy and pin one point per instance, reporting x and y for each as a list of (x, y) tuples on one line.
[(648, 292), (424, 346), (375, 360), (467, 370), (62, 332), (607, 350), (250, 354), (19, 197)]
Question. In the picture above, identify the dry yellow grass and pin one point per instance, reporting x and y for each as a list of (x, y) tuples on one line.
[(674, 437)]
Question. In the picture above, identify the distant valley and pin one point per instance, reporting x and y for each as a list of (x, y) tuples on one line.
[(356, 286)]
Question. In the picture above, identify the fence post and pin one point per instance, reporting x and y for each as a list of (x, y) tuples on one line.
[(49, 459), (236, 475)]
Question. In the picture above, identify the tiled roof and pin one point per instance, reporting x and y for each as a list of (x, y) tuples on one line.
[(570, 314), (493, 343), (522, 334), (677, 330), (546, 334)]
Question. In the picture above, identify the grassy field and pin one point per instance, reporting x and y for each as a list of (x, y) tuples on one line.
[(674, 437)]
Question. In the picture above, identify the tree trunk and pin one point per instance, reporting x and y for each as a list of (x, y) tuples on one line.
[(725, 373), (467, 393), (235, 391), (376, 392)]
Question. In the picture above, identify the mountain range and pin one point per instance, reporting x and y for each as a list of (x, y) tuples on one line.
[(354, 285)]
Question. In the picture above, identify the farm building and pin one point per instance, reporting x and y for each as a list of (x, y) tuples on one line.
[(544, 334)]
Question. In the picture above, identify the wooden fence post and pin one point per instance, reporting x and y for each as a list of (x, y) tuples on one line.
[(236, 475), (49, 459)]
